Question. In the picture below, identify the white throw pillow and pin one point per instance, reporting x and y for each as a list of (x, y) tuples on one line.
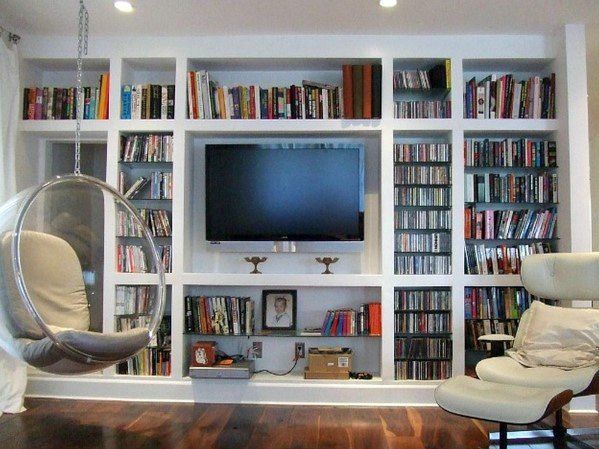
[(560, 337)]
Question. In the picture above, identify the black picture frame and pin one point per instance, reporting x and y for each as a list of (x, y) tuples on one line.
[(289, 320)]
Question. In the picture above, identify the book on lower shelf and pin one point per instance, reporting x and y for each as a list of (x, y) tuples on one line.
[(492, 258), (133, 259), (155, 359), (510, 188), (147, 148), (156, 219), (423, 343), (366, 320), (518, 152), (509, 224)]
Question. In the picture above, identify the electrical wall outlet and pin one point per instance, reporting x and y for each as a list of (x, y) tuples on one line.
[(257, 349), (300, 350)]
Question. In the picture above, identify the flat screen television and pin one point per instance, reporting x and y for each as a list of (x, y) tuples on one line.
[(287, 192)]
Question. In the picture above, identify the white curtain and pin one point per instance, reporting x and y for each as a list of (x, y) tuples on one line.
[(13, 373)]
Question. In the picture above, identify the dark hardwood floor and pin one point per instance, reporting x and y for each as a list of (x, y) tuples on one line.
[(63, 424)]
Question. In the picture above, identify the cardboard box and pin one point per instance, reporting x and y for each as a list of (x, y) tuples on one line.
[(330, 360)]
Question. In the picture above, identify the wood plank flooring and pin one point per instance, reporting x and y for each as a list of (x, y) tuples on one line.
[(65, 424)]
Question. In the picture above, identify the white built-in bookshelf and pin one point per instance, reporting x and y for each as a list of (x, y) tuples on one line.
[(360, 277)]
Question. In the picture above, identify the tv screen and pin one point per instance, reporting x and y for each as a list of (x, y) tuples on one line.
[(285, 192)]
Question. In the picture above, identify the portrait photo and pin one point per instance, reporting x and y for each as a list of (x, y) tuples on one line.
[(279, 309)]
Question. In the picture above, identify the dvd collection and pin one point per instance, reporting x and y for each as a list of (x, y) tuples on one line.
[(422, 264), (422, 369), (422, 196), (219, 315), (500, 259), (161, 186), (509, 224), (422, 174), (422, 219), (406, 300), (438, 242), (422, 348), (422, 109), (422, 322), (510, 153), (421, 152), (132, 258), (147, 148), (496, 188)]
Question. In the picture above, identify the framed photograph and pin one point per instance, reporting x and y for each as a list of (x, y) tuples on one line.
[(279, 310)]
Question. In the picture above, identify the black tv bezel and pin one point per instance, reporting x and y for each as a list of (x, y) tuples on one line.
[(211, 237)]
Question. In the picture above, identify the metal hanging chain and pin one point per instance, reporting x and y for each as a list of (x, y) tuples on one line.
[(81, 51)]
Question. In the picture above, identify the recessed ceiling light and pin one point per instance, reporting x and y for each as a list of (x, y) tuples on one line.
[(125, 6), (388, 3)]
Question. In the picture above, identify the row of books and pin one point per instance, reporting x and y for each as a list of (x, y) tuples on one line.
[(437, 242), (422, 264), (147, 101), (362, 91), (422, 109), (219, 315), (310, 100), (147, 148), (422, 348), (58, 103), (422, 369), (510, 153), (496, 188), (161, 186), (422, 219), (422, 174), (343, 322), (422, 322), (133, 299), (422, 299), (496, 302), (504, 97), (132, 258), (147, 362), (157, 220), (421, 152), (438, 77), (477, 328), (502, 259), (509, 224), (422, 196)]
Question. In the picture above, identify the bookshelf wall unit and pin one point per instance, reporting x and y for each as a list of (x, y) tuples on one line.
[(359, 277)]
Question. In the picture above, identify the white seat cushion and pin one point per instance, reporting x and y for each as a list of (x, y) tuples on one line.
[(491, 401), (505, 370)]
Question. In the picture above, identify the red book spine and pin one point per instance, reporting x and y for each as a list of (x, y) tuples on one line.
[(348, 99)]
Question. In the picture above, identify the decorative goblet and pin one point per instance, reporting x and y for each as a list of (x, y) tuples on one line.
[(256, 260), (327, 261)]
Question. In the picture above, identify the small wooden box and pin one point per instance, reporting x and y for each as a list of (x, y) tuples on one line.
[(203, 353)]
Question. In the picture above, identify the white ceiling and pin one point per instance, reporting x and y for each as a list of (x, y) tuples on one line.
[(219, 17)]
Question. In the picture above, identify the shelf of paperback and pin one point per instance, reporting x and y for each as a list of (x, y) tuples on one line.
[(132, 306), (423, 342), (262, 89)]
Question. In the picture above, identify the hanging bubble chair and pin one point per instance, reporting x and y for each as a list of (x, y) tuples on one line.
[(54, 241), (57, 242)]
